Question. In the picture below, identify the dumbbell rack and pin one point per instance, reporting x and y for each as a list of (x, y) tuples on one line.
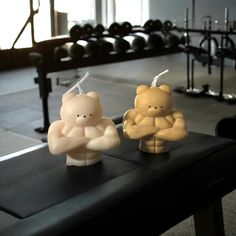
[(47, 65)]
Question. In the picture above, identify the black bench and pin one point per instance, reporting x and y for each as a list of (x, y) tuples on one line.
[(128, 192)]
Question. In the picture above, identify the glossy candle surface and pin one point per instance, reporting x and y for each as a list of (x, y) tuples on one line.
[(82, 133), (153, 120)]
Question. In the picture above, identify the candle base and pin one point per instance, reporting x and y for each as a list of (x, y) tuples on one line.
[(83, 159)]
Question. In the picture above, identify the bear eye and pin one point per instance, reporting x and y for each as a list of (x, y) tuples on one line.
[(149, 106), (161, 107), (90, 114), (77, 115), (155, 107)]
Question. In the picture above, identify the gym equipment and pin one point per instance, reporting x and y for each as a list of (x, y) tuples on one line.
[(158, 25), (60, 52), (75, 51), (30, 21), (209, 53), (167, 26), (99, 29), (137, 43), (76, 33), (149, 26), (153, 41), (226, 127), (88, 30), (115, 29), (120, 45), (126, 28), (171, 40)]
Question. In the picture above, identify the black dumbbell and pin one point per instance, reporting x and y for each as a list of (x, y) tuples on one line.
[(105, 47), (154, 41), (60, 52), (88, 30), (115, 29), (167, 26), (76, 33), (137, 43), (75, 51), (157, 25), (121, 45), (99, 29), (171, 40), (126, 28), (149, 26)]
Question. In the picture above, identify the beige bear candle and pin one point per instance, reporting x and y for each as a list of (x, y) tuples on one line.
[(82, 133), (153, 120)]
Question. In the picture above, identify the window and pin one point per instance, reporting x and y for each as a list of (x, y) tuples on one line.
[(134, 11), (14, 14), (78, 11)]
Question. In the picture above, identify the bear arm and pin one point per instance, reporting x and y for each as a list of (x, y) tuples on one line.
[(130, 115), (109, 140), (177, 114), (177, 132), (58, 143), (132, 130)]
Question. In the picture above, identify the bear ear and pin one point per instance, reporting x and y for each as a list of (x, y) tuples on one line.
[(165, 88), (68, 96), (141, 88), (93, 95)]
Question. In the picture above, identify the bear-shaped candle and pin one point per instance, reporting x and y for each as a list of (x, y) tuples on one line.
[(82, 133), (153, 120)]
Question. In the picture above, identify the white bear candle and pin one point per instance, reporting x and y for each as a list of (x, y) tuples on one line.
[(153, 120), (82, 132)]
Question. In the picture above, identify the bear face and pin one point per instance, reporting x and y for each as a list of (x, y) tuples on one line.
[(81, 110), (153, 101)]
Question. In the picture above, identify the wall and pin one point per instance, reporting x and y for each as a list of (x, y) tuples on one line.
[(174, 10)]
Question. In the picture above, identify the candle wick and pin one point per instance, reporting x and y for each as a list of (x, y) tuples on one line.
[(77, 85), (154, 82), (81, 81)]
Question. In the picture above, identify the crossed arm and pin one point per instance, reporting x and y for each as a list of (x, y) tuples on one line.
[(133, 131)]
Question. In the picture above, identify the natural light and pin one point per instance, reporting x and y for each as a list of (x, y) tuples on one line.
[(14, 14)]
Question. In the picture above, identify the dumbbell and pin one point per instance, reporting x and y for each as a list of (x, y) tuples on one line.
[(137, 43), (153, 41), (76, 32), (98, 30), (126, 28), (120, 45), (149, 26), (88, 30), (60, 52), (75, 51), (171, 40), (167, 26), (157, 25), (115, 29)]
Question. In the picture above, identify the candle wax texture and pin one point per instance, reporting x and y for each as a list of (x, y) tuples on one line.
[(82, 132), (153, 120)]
